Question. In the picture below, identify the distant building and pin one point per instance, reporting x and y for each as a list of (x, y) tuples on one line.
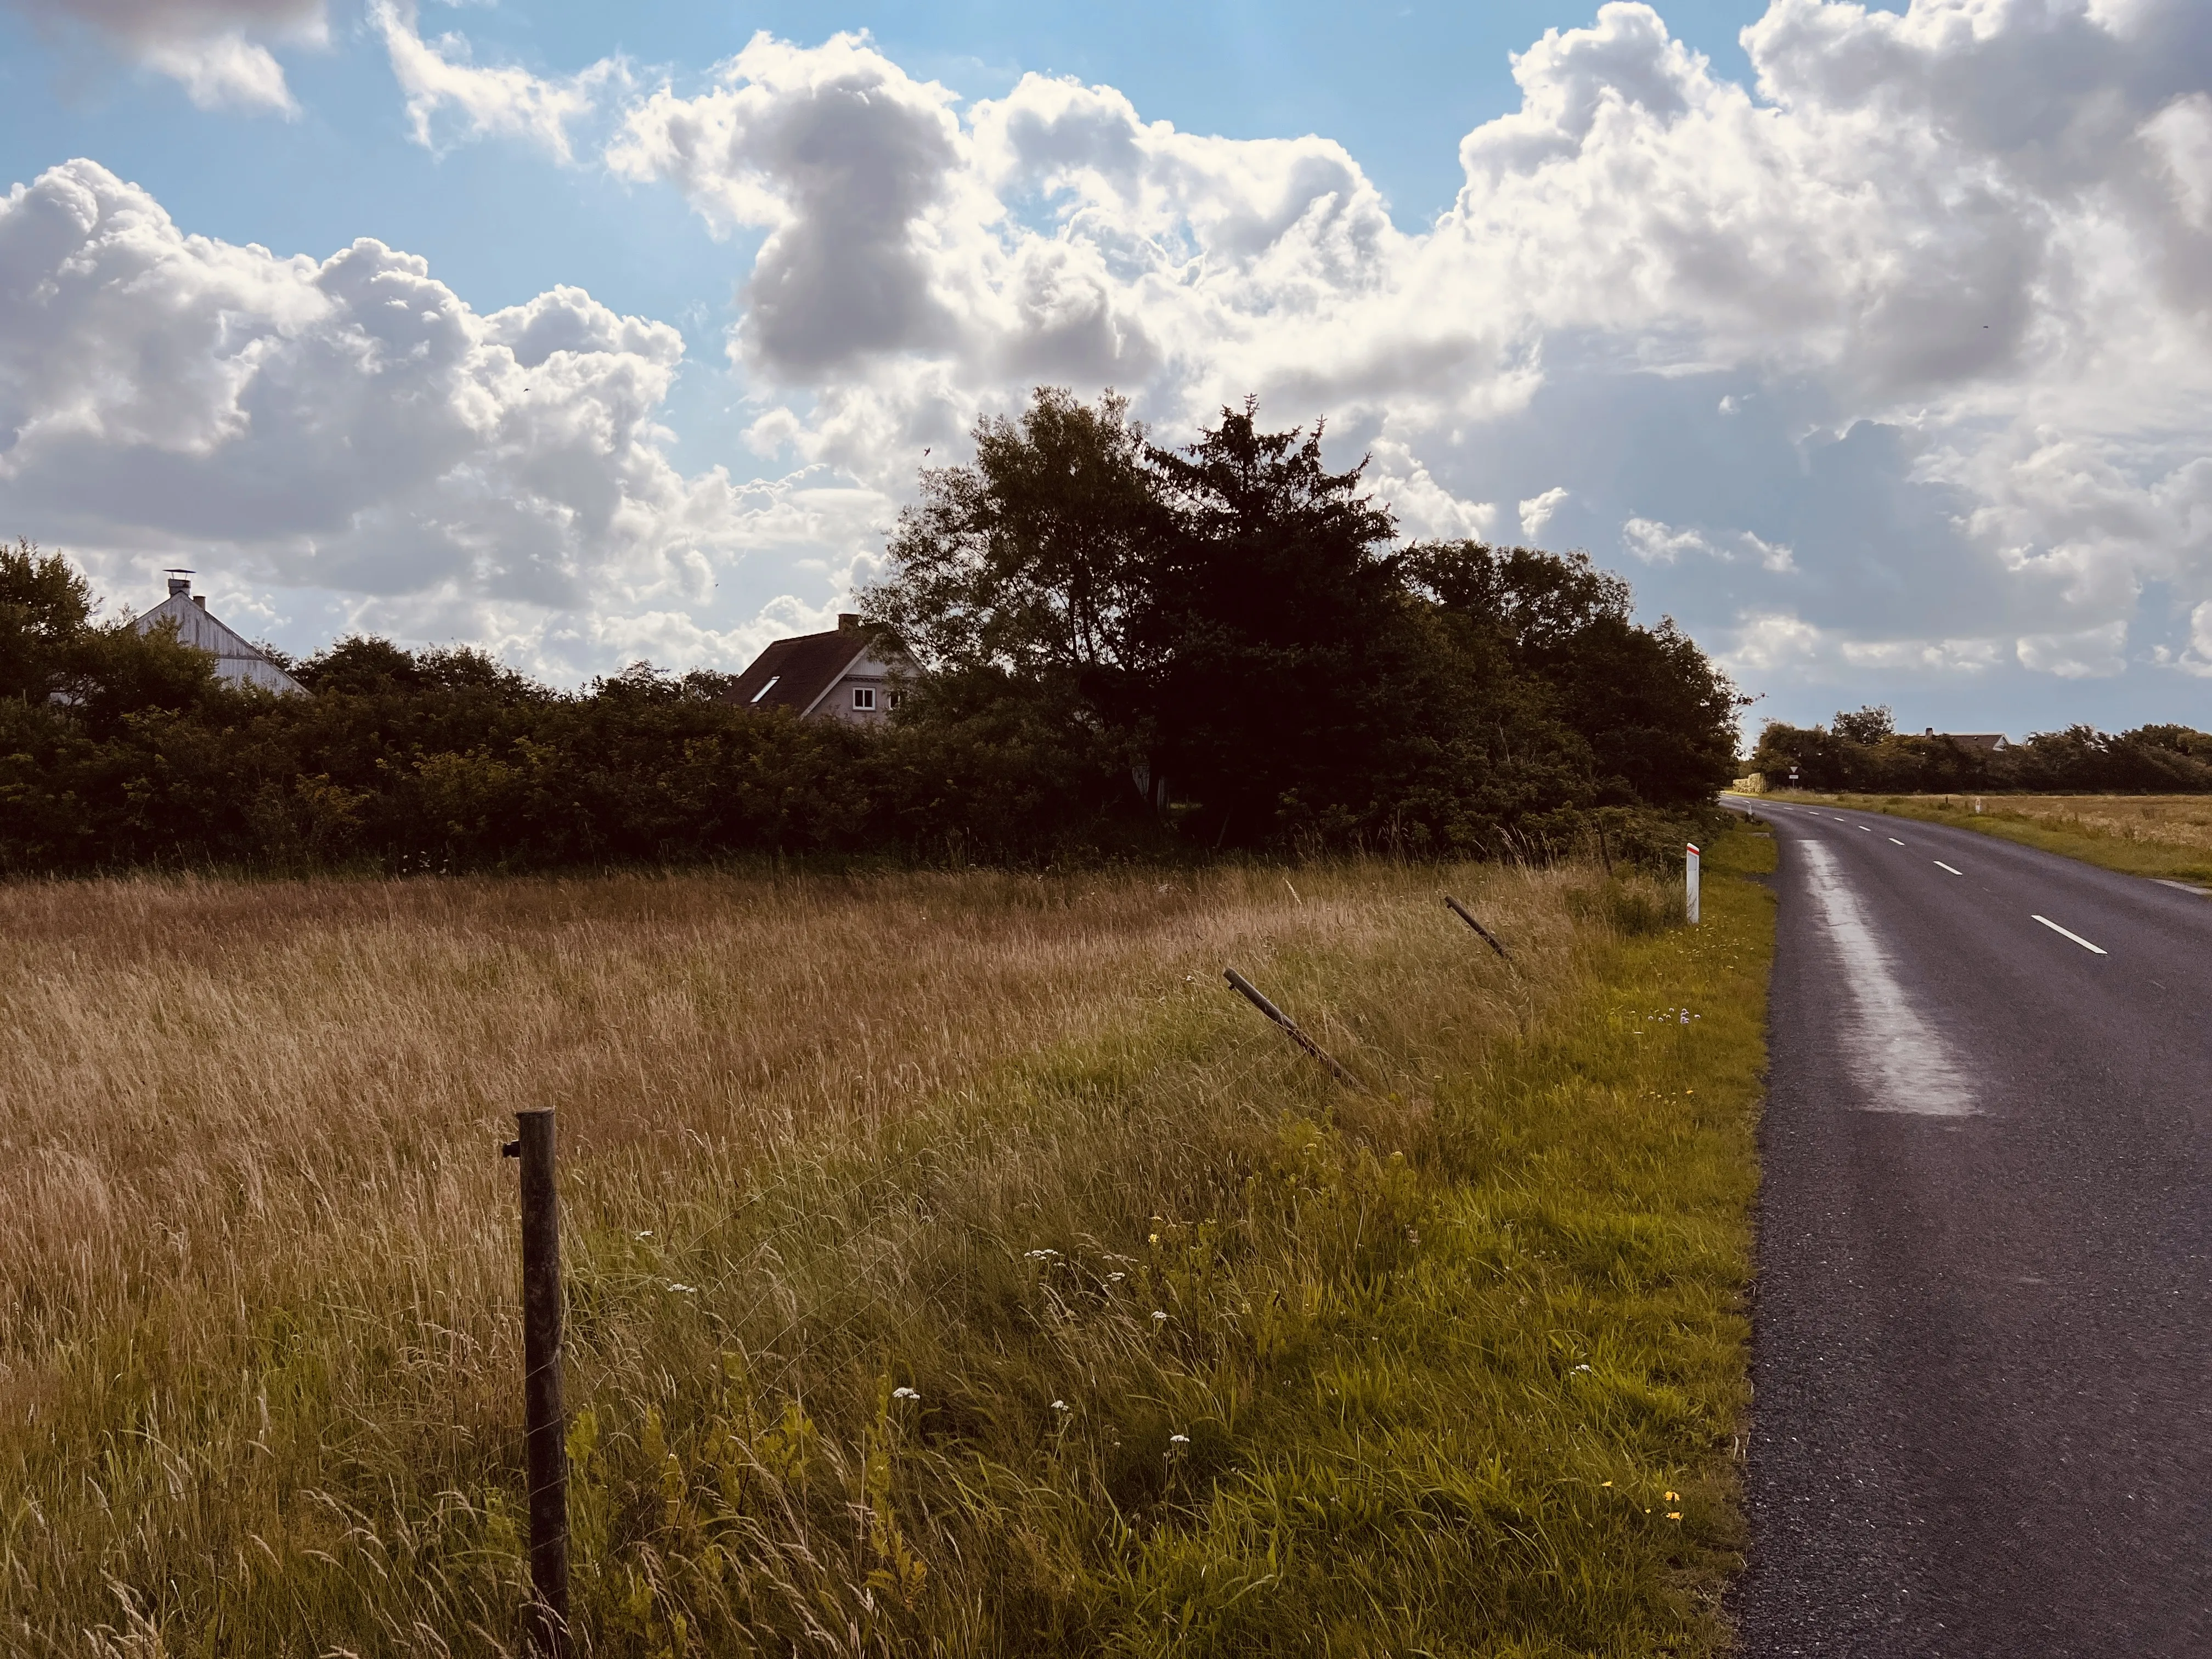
[(235, 657), (851, 673), (1990, 743)]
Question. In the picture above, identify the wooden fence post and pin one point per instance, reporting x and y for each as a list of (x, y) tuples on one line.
[(1250, 993), (547, 1618), (1489, 937)]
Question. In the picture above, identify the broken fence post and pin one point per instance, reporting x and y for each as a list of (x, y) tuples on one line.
[(1489, 937), (1690, 881), (1251, 994), (547, 1617)]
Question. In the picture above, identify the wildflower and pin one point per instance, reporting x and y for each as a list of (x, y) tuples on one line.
[(1159, 1317), (645, 1234), (1061, 1406), (1674, 1498), (1583, 1367), (1155, 1238), (1115, 1279), (687, 1290), (1605, 1483), (904, 1394), (1178, 1440), (1672, 1515), (1039, 1255)]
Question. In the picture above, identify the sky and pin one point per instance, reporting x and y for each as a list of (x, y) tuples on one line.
[(1874, 346)]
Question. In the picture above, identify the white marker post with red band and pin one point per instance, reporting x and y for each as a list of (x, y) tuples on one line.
[(1690, 883)]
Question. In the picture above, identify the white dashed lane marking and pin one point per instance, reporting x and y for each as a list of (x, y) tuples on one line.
[(1940, 865), (2071, 934), (1894, 842)]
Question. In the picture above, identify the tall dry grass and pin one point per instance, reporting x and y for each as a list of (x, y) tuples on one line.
[(259, 1342)]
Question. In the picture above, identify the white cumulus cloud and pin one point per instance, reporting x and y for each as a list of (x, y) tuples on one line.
[(209, 46), (1947, 267), (351, 425), (1536, 512), (441, 78), (1896, 360)]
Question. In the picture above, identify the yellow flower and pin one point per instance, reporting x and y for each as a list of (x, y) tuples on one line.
[(1674, 1498), (1673, 1515), (1155, 1238)]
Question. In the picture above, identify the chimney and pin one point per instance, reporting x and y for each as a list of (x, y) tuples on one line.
[(848, 620), (181, 581), (1931, 731), (200, 599)]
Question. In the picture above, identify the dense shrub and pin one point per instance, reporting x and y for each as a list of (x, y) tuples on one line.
[(1129, 651), (1861, 750)]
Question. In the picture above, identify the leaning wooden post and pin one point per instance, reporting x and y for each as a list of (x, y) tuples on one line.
[(547, 1425), (1250, 993), (1489, 937), (1690, 881)]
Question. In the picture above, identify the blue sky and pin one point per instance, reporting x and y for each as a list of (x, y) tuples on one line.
[(1823, 341)]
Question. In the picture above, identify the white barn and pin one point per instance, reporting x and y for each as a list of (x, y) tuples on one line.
[(235, 656)]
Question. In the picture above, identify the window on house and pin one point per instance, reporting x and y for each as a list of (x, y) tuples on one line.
[(890, 699), (864, 697), (769, 687)]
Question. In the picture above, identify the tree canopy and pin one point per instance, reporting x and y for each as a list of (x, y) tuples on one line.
[(1234, 624), (1863, 750)]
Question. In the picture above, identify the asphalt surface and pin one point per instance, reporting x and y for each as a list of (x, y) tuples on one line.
[(1982, 1354)]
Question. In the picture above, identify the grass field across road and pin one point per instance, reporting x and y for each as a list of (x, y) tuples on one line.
[(955, 1264), (2166, 837)]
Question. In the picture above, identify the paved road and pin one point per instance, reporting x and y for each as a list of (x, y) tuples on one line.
[(1983, 1337)]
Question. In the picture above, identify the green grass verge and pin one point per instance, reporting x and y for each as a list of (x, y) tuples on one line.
[(1525, 1441), (2136, 851), (1375, 1377)]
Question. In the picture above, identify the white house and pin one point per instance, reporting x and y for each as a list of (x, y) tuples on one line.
[(849, 674), (235, 657)]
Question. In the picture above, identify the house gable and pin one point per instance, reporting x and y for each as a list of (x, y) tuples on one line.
[(816, 675), (236, 658)]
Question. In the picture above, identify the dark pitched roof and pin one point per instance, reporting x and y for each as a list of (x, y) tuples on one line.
[(797, 671)]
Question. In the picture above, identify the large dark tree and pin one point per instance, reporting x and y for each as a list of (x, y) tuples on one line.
[(1283, 631), (1231, 622), (1655, 719)]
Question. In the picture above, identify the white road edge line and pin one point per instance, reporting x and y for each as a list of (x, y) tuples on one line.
[(1940, 865), (1901, 1061), (2071, 934)]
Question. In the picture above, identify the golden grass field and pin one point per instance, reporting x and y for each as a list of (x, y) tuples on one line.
[(1456, 1360), (2168, 837)]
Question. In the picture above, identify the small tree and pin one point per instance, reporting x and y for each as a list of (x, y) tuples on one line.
[(1869, 726)]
